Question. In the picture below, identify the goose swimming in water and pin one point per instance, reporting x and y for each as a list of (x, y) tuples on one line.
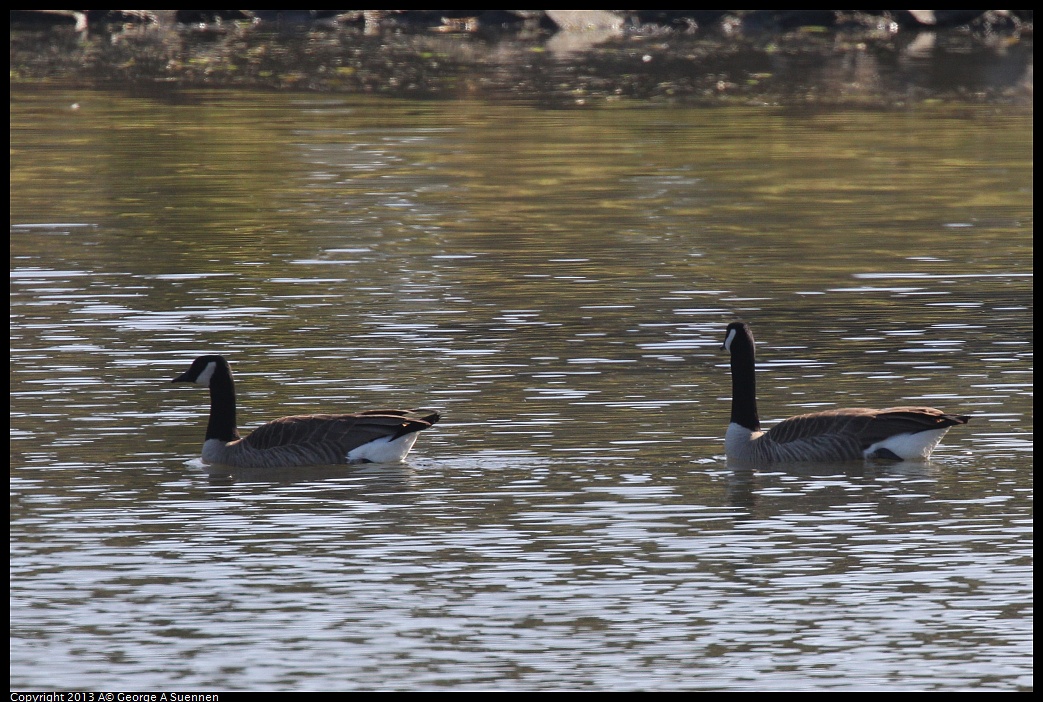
[(375, 436), (895, 433)]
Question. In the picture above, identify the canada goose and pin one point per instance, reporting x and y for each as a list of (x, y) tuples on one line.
[(375, 436), (895, 433)]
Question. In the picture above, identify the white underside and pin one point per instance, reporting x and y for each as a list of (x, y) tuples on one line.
[(909, 447), (383, 450)]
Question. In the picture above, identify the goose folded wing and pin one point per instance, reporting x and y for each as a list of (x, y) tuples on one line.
[(861, 428), (422, 415), (336, 433)]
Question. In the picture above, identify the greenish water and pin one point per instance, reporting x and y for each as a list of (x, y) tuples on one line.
[(557, 283)]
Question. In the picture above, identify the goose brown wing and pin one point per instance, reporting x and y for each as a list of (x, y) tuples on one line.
[(336, 433), (916, 419), (862, 427), (423, 415)]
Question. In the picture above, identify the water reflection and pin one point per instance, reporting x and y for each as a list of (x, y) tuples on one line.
[(571, 523)]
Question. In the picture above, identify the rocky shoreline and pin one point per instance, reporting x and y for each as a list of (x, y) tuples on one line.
[(556, 20), (560, 58)]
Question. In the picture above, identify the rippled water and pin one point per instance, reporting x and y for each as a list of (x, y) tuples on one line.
[(557, 283)]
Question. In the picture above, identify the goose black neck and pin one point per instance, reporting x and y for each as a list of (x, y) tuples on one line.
[(222, 408), (744, 384)]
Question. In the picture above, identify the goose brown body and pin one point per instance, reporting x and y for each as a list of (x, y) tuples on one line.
[(895, 433), (377, 436)]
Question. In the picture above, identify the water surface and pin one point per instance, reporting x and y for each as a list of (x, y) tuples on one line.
[(557, 283)]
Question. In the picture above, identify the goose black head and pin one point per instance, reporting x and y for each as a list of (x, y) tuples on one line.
[(203, 369)]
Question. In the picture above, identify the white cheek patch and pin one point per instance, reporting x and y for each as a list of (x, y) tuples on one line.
[(729, 339), (207, 374)]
